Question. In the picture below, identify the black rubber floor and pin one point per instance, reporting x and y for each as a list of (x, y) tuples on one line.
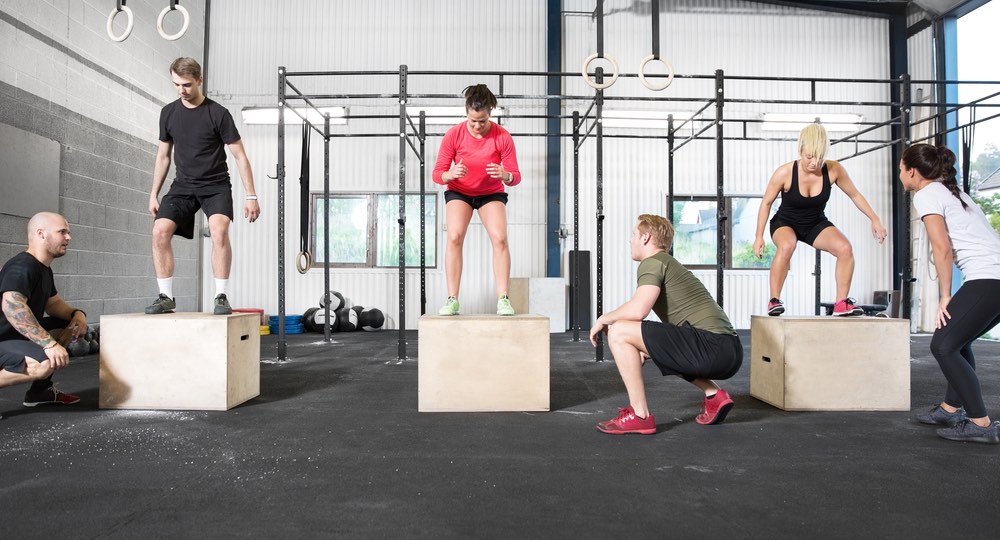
[(334, 447)]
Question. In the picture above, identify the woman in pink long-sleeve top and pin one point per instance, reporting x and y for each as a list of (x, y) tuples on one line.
[(476, 161)]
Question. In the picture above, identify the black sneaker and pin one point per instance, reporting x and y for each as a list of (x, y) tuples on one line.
[(162, 304), (49, 396), (967, 431), (222, 306), (940, 417)]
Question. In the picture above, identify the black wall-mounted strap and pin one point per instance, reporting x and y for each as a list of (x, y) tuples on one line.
[(304, 191), (656, 29), (600, 28)]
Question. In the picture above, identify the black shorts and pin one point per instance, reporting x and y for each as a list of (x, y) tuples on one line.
[(692, 353), (14, 351), (182, 202), (805, 232), (475, 202)]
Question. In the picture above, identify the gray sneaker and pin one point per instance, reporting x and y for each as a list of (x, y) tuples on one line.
[(222, 306), (940, 417), (162, 304), (967, 431)]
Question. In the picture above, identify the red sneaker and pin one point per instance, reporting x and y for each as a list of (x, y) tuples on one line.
[(846, 308), (628, 422), (715, 409), (50, 395), (775, 307)]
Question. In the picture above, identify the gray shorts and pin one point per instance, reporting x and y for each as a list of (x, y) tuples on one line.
[(13, 353)]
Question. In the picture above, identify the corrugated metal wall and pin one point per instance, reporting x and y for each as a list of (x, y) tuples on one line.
[(250, 38), (698, 37), (922, 66)]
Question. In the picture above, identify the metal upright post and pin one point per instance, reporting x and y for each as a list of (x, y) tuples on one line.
[(818, 272), (600, 206), (326, 226), (906, 289), (670, 170), (402, 213), (423, 212), (576, 225), (720, 197), (282, 343)]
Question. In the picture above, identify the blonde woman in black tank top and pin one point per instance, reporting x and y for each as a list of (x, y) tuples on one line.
[(805, 186)]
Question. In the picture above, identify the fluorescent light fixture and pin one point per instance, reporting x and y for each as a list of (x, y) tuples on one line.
[(644, 119), (446, 115), (797, 121), (269, 115)]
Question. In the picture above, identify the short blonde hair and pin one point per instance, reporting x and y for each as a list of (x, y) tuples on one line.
[(659, 228), (814, 141)]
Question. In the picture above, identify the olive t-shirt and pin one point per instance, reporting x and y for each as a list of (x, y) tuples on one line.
[(682, 297)]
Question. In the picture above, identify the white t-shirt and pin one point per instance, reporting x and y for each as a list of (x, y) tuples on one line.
[(975, 243)]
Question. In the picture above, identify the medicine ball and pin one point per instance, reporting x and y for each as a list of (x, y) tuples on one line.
[(319, 320), (307, 320), (371, 319), (347, 319), (337, 300)]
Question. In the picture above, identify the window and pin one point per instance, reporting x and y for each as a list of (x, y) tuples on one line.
[(696, 232), (743, 227), (364, 229), (696, 226)]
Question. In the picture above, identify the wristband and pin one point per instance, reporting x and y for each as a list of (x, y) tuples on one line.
[(71, 315), (251, 197)]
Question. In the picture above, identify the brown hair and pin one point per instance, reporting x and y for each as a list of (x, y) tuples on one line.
[(479, 98), (659, 228), (935, 163), (186, 67)]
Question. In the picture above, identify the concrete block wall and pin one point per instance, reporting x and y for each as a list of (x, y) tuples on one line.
[(63, 78)]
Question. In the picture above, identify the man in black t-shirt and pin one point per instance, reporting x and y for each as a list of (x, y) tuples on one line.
[(197, 131), (27, 351)]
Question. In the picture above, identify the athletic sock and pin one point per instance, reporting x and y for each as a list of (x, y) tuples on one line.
[(166, 286), (712, 396), (221, 285)]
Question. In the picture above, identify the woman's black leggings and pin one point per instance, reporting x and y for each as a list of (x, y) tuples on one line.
[(974, 309)]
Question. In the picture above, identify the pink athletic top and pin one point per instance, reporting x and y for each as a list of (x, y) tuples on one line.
[(458, 145)]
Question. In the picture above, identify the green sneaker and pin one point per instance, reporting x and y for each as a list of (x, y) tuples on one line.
[(504, 307), (450, 307)]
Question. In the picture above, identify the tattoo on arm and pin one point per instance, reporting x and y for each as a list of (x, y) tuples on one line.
[(19, 315)]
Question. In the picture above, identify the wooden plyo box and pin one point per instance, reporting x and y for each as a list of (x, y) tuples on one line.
[(179, 361), (830, 363), (482, 363), (540, 296)]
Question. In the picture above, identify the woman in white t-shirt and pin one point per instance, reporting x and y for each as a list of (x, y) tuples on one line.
[(959, 233)]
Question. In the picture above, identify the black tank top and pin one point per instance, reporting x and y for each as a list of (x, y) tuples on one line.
[(799, 209)]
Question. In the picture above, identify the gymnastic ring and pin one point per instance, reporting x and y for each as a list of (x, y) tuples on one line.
[(128, 26), (303, 267), (601, 86), (642, 73), (184, 27)]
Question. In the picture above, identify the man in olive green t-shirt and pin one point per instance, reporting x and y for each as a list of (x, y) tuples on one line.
[(695, 339)]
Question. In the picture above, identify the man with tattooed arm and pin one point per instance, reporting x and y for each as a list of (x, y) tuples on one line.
[(28, 353)]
